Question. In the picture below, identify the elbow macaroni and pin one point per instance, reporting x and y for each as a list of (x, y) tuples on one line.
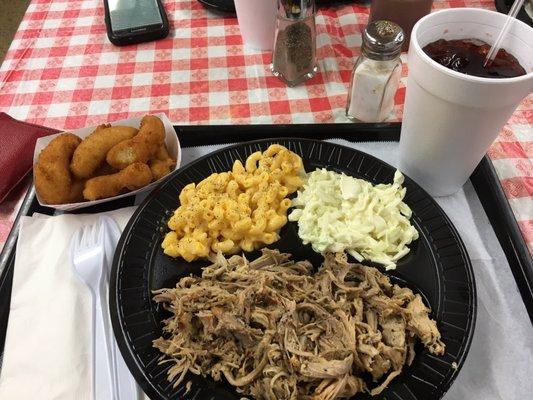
[(242, 209)]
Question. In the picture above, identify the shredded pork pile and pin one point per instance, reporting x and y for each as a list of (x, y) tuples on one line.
[(275, 330)]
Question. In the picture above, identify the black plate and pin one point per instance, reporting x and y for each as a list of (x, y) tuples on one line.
[(438, 267), (228, 6)]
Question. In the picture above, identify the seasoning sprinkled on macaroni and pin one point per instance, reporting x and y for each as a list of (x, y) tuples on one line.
[(242, 209)]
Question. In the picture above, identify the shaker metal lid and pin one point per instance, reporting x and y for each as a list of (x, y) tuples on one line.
[(382, 40)]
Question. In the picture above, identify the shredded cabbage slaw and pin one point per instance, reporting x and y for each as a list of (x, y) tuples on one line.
[(337, 213)]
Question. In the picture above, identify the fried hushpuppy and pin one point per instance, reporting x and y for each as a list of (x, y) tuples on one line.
[(53, 180), (141, 147), (133, 177), (92, 151), (162, 164)]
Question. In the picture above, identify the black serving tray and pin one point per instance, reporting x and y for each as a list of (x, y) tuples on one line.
[(484, 180)]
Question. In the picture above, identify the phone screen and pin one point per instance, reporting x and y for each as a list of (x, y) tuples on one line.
[(128, 14)]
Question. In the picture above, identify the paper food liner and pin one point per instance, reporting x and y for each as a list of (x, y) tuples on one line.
[(171, 140)]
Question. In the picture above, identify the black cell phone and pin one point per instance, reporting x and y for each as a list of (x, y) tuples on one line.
[(135, 21)]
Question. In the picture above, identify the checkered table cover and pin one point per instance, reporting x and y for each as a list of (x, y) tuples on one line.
[(61, 71)]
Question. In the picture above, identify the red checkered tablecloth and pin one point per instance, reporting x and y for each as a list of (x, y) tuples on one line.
[(61, 71)]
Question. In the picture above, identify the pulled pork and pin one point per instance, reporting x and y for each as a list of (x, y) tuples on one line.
[(274, 330)]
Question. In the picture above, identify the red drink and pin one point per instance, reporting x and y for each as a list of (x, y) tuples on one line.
[(468, 55)]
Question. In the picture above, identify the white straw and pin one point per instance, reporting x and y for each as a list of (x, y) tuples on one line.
[(491, 55)]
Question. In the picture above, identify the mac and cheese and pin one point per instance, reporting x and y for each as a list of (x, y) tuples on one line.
[(241, 209)]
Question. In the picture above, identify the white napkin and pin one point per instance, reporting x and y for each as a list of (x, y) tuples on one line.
[(48, 346)]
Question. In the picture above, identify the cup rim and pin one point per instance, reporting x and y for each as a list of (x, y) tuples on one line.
[(451, 72)]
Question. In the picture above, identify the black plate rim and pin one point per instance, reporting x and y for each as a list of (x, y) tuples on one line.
[(219, 7), (114, 295)]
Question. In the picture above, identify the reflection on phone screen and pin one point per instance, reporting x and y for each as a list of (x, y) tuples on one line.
[(127, 14)]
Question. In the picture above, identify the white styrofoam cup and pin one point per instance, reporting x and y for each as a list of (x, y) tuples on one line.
[(450, 119), (257, 22)]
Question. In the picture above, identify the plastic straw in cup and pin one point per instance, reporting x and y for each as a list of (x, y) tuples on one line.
[(491, 55)]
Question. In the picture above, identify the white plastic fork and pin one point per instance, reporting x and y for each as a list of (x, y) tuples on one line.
[(87, 256)]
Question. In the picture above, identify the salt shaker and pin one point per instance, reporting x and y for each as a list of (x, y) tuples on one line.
[(376, 74), (294, 55)]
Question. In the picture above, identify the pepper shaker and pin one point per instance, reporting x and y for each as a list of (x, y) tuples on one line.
[(376, 74), (294, 55)]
